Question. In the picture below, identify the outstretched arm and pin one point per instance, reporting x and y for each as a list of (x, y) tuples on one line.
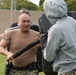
[(3, 51)]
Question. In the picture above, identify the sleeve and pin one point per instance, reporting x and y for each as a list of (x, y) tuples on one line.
[(6, 37), (52, 46)]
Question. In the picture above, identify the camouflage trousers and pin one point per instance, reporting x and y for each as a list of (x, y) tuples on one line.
[(23, 72), (69, 73)]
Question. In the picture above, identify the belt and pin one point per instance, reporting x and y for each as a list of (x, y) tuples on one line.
[(31, 66)]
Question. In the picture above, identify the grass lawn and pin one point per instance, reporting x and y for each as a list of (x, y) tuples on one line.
[(2, 64)]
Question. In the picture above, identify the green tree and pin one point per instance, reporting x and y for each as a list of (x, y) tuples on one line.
[(26, 4), (19, 4), (41, 5), (41, 2), (6, 4), (40, 8), (71, 4)]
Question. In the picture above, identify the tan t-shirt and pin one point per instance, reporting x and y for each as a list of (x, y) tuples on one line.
[(17, 41)]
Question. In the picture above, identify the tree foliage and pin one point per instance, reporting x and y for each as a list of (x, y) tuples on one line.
[(41, 2), (19, 4), (71, 4), (6, 4), (41, 5), (26, 4)]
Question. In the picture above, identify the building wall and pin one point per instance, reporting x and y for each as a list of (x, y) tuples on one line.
[(7, 17)]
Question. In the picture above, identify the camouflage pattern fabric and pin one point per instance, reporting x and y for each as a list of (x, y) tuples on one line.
[(23, 72), (69, 73)]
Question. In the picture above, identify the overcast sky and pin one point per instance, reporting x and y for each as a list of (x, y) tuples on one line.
[(35, 1)]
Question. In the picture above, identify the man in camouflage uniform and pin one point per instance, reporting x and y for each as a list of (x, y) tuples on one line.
[(17, 39)]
